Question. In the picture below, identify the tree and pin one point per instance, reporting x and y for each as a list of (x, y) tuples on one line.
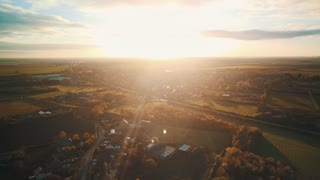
[(141, 150), (151, 163), (150, 167), (75, 137), (85, 135), (247, 138), (62, 134)]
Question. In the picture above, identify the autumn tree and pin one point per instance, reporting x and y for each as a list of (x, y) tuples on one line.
[(237, 164), (75, 137), (68, 148), (18, 157), (141, 150), (150, 166), (98, 110), (62, 134), (247, 138), (85, 135)]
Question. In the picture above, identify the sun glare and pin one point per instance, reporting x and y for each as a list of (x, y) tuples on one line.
[(156, 33)]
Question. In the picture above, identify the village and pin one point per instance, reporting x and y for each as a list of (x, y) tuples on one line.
[(97, 122), (119, 149)]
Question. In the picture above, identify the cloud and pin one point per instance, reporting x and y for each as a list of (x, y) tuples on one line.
[(8, 46), (259, 34), (110, 3), (13, 18)]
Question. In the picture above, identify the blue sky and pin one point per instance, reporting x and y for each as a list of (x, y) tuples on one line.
[(159, 28)]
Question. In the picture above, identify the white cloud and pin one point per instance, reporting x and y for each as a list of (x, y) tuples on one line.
[(22, 25), (260, 34), (5, 46), (16, 18), (110, 3)]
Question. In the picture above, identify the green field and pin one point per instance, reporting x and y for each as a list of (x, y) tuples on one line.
[(290, 101), (21, 69), (227, 106), (64, 89), (301, 151), (237, 108), (214, 140), (16, 108), (303, 156)]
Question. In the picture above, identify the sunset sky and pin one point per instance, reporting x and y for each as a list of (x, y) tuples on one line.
[(159, 28)]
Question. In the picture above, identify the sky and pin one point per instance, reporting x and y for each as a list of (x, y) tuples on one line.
[(159, 29)]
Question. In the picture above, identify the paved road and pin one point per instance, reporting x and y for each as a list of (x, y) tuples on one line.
[(211, 111), (85, 159)]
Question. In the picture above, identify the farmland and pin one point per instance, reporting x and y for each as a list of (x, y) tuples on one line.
[(216, 141), (301, 151), (303, 156), (16, 108), (290, 101), (28, 132), (12, 70), (227, 106), (78, 100), (60, 90)]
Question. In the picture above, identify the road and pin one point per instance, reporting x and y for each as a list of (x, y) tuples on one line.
[(214, 112), (85, 159)]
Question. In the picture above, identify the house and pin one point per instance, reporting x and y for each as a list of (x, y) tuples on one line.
[(144, 122), (41, 113), (160, 151), (135, 125), (185, 148), (129, 139), (64, 142), (225, 95), (123, 124), (117, 147), (112, 131), (110, 147), (5, 157), (150, 146), (104, 120), (48, 112)]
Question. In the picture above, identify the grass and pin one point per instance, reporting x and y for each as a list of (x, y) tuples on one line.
[(64, 89), (118, 109), (16, 70), (237, 108), (16, 108), (214, 140), (38, 154), (317, 98), (227, 106), (303, 156), (290, 101), (244, 67), (48, 95), (301, 151)]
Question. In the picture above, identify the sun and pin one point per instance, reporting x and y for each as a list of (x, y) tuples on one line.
[(156, 34), (158, 46)]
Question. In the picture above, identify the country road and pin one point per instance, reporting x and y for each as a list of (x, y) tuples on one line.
[(85, 159), (211, 111)]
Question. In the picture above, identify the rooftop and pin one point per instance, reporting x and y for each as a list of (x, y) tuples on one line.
[(160, 151), (184, 147)]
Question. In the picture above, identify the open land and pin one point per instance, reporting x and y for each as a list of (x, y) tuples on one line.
[(84, 97)]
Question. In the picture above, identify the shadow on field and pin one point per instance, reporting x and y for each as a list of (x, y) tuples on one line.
[(266, 149)]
